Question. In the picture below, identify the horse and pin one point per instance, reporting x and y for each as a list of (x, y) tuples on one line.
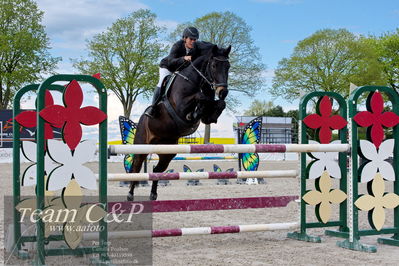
[(188, 100)]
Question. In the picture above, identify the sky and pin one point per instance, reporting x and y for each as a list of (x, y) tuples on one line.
[(277, 26)]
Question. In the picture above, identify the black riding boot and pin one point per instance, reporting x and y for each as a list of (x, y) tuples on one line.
[(156, 98)]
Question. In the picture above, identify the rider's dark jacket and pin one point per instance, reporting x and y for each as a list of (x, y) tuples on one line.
[(175, 59)]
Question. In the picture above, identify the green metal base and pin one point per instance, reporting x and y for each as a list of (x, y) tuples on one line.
[(304, 237), (22, 254), (336, 233), (389, 241), (356, 245)]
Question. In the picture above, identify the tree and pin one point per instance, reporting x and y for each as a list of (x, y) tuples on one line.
[(276, 111), (328, 60), (388, 54), (224, 29), (259, 108), (127, 55), (24, 46)]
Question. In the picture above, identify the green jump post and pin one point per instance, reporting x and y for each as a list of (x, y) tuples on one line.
[(41, 252), (19, 240), (304, 224), (353, 239)]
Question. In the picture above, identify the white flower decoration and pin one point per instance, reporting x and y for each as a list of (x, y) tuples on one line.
[(29, 152), (325, 161), (71, 164), (377, 160)]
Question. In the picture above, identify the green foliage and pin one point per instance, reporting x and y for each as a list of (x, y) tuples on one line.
[(127, 56), (276, 111), (224, 29), (265, 108), (387, 47), (259, 108), (24, 45), (328, 60), (294, 114)]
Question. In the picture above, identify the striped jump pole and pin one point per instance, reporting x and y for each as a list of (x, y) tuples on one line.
[(201, 175), (211, 230), (200, 158), (228, 148), (201, 204)]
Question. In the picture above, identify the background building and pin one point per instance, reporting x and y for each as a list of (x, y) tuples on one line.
[(274, 129)]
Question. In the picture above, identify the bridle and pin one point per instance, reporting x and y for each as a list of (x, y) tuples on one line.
[(211, 80)]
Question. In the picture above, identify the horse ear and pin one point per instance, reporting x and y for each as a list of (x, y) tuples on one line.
[(215, 49), (227, 51)]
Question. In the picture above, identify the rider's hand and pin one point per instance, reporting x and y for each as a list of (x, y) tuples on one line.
[(187, 58)]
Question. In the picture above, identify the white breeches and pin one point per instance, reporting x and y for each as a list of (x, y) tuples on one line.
[(163, 72)]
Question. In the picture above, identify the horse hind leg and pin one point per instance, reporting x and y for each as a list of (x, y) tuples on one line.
[(163, 163), (136, 167)]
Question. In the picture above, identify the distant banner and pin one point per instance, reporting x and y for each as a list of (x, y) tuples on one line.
[(6, 130)]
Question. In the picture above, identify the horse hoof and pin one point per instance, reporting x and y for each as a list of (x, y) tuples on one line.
[(153, 196), (130, 197)]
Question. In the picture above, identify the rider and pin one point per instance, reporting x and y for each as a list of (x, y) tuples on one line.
[(184, 50)]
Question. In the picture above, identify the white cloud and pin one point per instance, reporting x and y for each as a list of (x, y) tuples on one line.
[(170, 25), (223, 128), (65, 67), (81, 18), (70, 23), (115, 109), (268, 75), (292, 106)]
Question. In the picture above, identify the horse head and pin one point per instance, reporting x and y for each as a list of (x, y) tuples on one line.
[(219, 70)]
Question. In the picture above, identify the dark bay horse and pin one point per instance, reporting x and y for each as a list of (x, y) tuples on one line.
[(189, 100)]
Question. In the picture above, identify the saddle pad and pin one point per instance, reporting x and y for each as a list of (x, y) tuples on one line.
[(169, 81)]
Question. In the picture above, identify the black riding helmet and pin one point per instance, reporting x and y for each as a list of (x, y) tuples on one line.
[(191, 32)]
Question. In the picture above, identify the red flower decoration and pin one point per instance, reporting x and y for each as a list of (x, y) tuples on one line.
[(72, 115), (28, 118), (376, 118), (324, 121)]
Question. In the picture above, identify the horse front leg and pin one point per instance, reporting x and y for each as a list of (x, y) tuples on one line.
[(154, 188), (138, 160), (130, 195), (163, 163), (218, 108), (201, 100)]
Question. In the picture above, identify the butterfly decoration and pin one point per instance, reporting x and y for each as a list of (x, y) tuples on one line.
[(251, 135), (128, 131), (188, 169), (193, 182), (216, 168)]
